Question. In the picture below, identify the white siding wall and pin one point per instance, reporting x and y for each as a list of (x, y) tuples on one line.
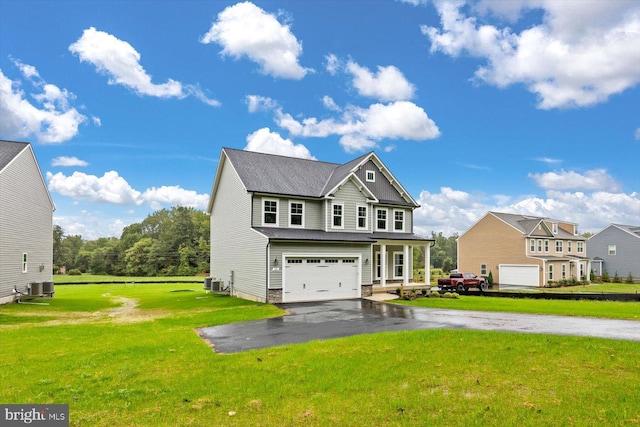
[(25, 225), (234, 245)]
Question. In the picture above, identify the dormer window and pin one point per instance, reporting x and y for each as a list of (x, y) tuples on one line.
[(371, 176), (555, 228)]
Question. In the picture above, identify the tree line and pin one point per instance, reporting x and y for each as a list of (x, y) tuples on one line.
[(444, 253), (172, 242)]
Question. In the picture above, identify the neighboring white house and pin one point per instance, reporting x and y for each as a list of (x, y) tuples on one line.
[(26, 221), (616, 249), (286, 229)]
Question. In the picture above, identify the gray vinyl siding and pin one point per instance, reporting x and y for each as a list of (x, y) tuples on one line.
[(234, 245), (277, 249), (625, 260), (26, 225), (313, 209), (349, 196), (381, 188)]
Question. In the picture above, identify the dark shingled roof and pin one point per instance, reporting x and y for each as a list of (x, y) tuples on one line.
[(323, 236), (9, 150)]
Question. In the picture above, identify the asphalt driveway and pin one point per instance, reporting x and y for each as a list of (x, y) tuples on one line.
[(333, 319)]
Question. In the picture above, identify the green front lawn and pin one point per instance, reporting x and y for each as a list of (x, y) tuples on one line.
[(140, 365), (97, 278)]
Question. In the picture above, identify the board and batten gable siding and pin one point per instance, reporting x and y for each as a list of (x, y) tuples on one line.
[(317, 248), (235, 246), (381, 187), (627, 255), (492, 242), (26, 225), (349, 196), (313, 219)]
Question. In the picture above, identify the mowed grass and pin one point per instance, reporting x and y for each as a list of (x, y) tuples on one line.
[(608, 309), (96, 278), (147, 366)]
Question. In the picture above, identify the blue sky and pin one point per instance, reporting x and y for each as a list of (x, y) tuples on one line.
[(525, 106)]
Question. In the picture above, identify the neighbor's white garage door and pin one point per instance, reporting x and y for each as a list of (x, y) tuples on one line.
[(519, 275), (320, 278)]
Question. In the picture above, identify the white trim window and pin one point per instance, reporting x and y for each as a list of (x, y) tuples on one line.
[(370, 176), (270, 213), (564, 271), (612, 250), (378, 266), (362, 215), (555, 228), (296, 213), (558, 245), (398, 220), (539, 245), (532, 245), (483, 269), (381, 219), (550, 271), (546, 246), (398, 265), (580, 247), (25, 258), (569, 248), (337, 215)]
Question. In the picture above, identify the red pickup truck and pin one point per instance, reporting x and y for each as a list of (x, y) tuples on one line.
[(462, 282)]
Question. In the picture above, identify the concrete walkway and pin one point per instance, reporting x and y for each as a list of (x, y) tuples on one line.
[(333, 319)]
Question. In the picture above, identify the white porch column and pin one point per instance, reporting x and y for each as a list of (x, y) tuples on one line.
[(405, 267), (383, 265), (427, 265)]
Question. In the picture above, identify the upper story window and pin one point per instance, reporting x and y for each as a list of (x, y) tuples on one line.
[(558, 245), (270, 212), (575, 230), (362, 215), (337, 215), (580, 247), (612, 249), (381, 219), (569, 246), (539, 245), (554, 226), (532, 245), (296, 214), (371, 176), (24, 262), (398, 220), (546, 246)]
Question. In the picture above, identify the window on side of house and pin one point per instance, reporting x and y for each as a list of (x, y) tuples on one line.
[(378, 259), (564, 271), (398, 265), (398, 220), (361, 220), (337, 210), (296, 214), (558, 245), (371, 176), (550, 271), (483, 269), (532, 245), (569, 248), (381, 219), (612, 249), (580, 247), (539, 245), (270, 212), (546, 246), (554, 226), (25, 258)]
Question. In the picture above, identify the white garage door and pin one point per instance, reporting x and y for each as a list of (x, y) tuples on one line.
[(320, 278), (519, 275)]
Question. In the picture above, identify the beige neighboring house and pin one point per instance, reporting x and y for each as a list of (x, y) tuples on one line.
[(523, 250)]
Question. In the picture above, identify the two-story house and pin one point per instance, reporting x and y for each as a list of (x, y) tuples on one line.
[(523, 250), (26, 222), (286, 229), (616, 249)]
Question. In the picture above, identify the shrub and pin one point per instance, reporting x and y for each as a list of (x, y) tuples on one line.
[(616, 278), (453, 295), (605, 276), (435, 294), (74, 272), (629, 278), (592, 275), (490, 278)]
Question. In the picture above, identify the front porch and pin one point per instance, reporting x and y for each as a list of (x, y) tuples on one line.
[(393, 265)]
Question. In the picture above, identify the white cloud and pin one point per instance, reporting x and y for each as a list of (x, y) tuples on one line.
[(110, 188), (388, 84), (579, 55), (51, 120), (333, 64), (265, 141), (96, 121), (121, 62), (453, 211), (637, 134), (68, 161), (260, 103), (244, 29), (174, 196), (90, 226), (594, 180), (548, 160), (330, 104), (362, 128)]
